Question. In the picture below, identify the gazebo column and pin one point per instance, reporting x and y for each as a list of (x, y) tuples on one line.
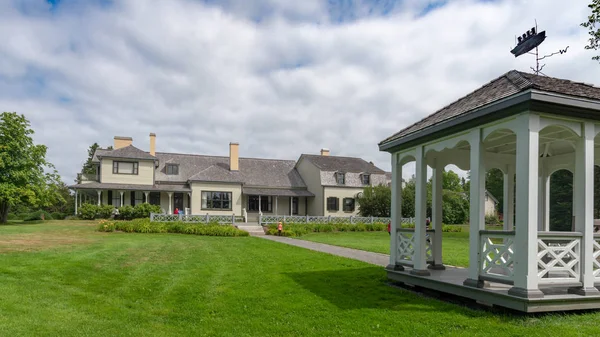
[(476, 208), (508, 206), (436, 205), (420, 257), (547, 203), (584, 216), (525, 242), (396, 212)]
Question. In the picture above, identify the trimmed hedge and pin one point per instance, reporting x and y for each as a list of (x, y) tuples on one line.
[(37, 215), (145, 226), (299, 229)]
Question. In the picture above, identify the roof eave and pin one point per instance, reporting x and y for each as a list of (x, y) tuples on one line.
[(489, 110)]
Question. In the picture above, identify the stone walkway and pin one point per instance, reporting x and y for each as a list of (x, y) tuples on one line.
[(361, 255)]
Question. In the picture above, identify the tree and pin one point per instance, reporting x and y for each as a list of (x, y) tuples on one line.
[(451, 181), (494, 183), (375, 201), (22, 167), (561, 200), (594, 32)]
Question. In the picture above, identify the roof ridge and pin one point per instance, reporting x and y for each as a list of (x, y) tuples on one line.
[(514, 76), (225, 157)]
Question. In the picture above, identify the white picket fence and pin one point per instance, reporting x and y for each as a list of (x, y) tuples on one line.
[(196, 218), (269, 219)]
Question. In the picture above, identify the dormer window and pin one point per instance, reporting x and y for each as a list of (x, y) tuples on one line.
[(172, 169), (366, 179), (340, 178)]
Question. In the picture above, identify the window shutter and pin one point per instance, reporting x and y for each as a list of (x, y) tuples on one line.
[(337, 204), (132, 198), (109, 197)]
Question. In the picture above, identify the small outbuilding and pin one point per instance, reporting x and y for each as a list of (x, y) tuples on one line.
[(528, 126)]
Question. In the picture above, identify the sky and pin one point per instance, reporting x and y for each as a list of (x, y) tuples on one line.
[(280, 77)]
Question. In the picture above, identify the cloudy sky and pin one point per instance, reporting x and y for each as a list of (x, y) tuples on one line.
[(280, 77)]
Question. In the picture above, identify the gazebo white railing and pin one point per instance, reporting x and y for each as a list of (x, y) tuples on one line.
[(497, 256), (559, 257), (405, 238), (269, 219)]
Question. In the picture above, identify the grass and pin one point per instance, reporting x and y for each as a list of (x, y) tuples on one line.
[(455, 246), (69, 280)]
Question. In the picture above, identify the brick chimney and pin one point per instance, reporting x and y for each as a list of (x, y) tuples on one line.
[(234, 156), (153, 144), (324, 152), (122, 142)]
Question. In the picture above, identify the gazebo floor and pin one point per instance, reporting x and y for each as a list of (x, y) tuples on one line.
[(450, 281)]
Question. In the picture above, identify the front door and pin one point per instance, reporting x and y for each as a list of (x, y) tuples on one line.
[(178, 201), (294, 205)]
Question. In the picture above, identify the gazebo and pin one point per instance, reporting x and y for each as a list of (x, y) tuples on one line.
[(528, 126)]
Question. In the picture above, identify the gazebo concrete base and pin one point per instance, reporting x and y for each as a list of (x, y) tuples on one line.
[(450, 281)]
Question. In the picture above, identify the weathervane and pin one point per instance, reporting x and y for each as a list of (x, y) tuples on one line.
[(530, 40)]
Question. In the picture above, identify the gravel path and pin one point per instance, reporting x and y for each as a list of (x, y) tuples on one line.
[(369, 257)]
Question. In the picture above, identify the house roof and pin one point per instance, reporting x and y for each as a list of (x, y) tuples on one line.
[(129, 152), (491, 196), (509, 84), (252, 171), (342, 164), (280, 192)]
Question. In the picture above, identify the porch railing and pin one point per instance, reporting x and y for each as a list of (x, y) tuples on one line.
[(269, 219), (596, 258), (497, 256), (406, 246), (196, 218), (559, 257), (88, 177)]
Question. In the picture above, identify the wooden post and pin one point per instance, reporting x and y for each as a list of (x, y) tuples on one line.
[(99, 197), (584, 201), (420, 258), (476, 208), (75, 202), (396, 211), (508, 206), (526, 246), (437, 215), (170, 202)]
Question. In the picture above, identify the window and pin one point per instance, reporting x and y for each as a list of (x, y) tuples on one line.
[(216, 200), (139, 198), (125, 167), (340, 178), (348, 204), (333, 204), (366, 179), (154, 198), (116, 198), (172, 169), (266, 203)]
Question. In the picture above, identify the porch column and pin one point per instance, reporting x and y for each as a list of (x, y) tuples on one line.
[(396, 212), (99, 197), (476, 208), (259, 204), (170, 202), (75, 202), (584, 201), (121, 192), (291, 206), (146, 194), (276, 213), (420, 257), (508, 206), (525, 243), (436, 208)]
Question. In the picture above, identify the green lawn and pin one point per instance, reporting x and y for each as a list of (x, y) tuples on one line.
[(62, 278), (455, 246)]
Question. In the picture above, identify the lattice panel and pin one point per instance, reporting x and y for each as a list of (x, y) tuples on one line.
[(271, 218), (193, 218), (596, 256), (406, 246), (558, 259), (318, 219), (498, 256), (164, 217), (221, 218), (295, 218)]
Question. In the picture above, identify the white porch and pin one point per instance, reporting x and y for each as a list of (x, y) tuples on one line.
[(525, 266)]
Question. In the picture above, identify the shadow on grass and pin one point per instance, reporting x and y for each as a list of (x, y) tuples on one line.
[(365, 288)]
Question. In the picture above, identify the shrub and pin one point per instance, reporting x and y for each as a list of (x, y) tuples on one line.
[(72, 217), (37, 215), (126, 212), (12, 216), (87, 211), (452, 228), (104, 211), (145, 226), (299, 229), (491, 219), (58, 215), (144, 210)]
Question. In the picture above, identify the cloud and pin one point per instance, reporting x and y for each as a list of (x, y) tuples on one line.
[(280, 77)]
